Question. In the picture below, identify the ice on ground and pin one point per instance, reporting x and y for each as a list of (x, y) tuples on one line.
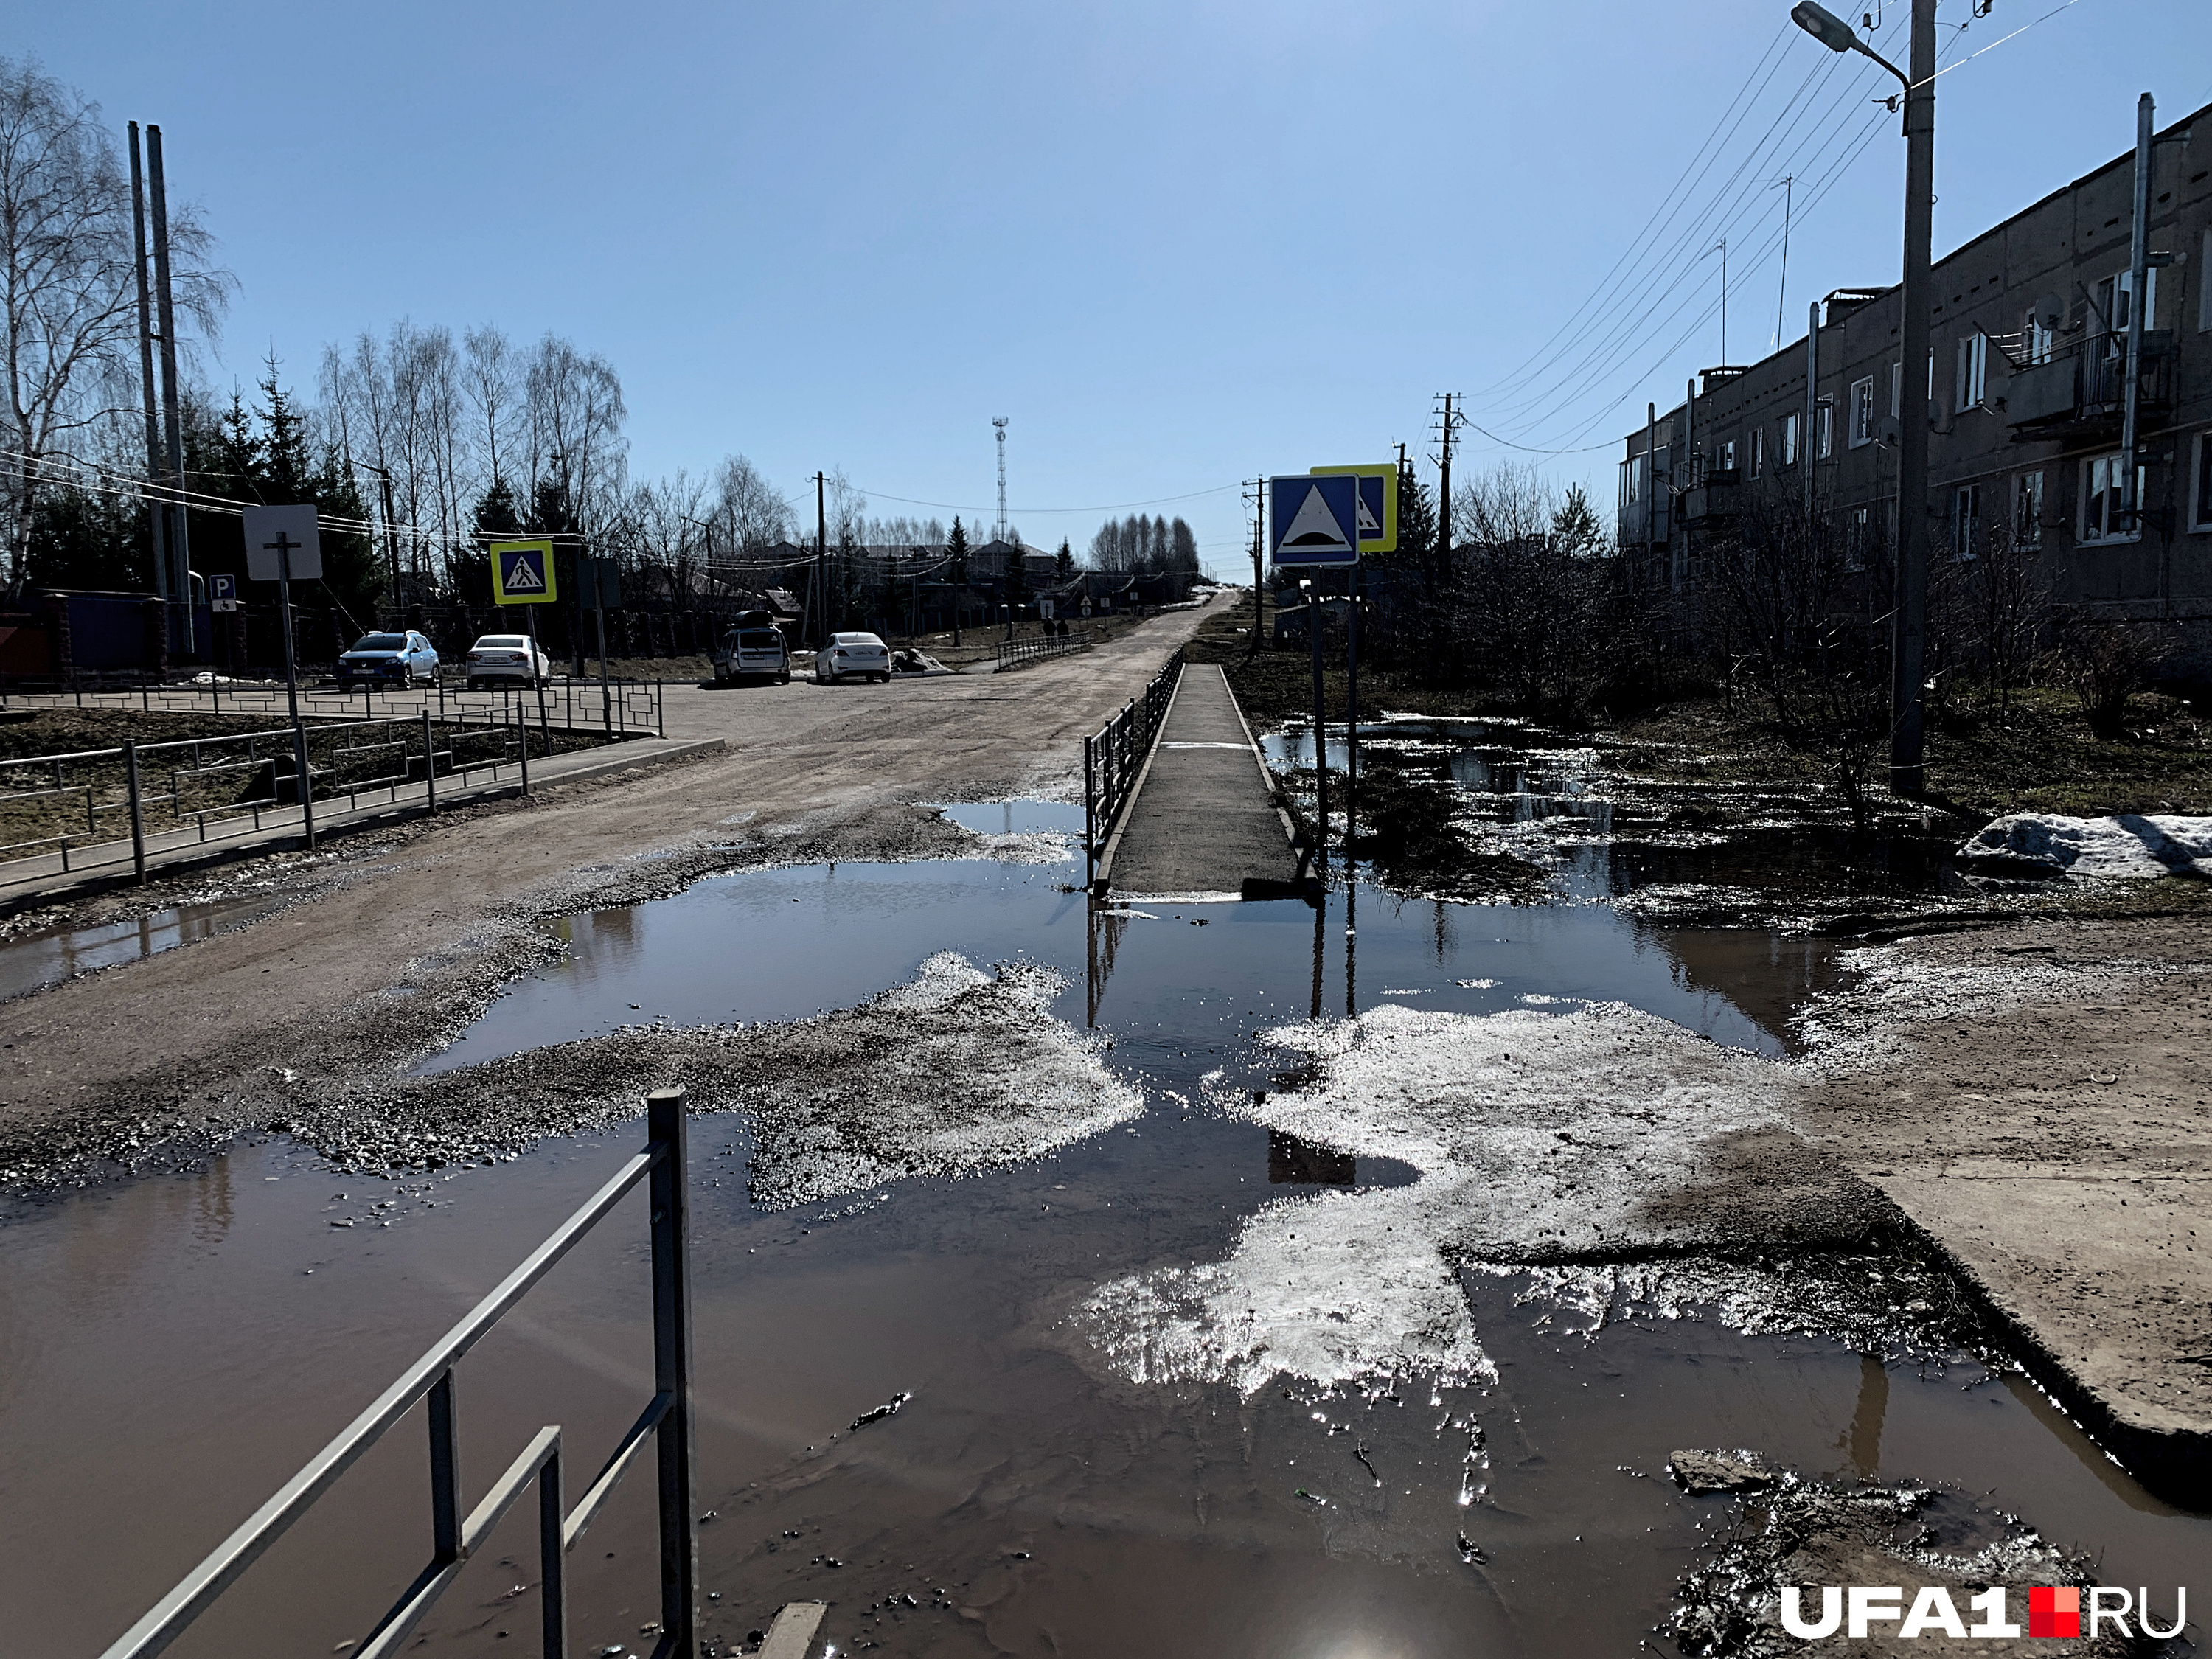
[(2129, 846), (1537, 1136)]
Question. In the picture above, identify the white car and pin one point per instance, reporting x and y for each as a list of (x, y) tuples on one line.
[(506, 659), (861, 654)]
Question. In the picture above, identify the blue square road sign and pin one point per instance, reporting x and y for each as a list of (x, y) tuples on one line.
[(1314, 520)]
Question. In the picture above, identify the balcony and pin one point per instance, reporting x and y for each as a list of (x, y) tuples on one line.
[(2085, 386), (1712, 497)]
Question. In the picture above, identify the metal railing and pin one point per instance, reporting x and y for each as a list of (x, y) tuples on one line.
[(455, 1534), (624, 708), (222, 786), (1113, 757), (1014, 652)]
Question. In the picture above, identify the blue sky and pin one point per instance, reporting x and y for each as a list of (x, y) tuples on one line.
[(1176, 243)]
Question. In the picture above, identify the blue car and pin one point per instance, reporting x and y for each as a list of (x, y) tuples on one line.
[(388, 660)]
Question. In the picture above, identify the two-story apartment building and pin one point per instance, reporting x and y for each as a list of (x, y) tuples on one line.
[(2024, 390)]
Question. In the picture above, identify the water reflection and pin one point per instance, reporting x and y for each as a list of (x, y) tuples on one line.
[(41, 959), (1294, 1162)]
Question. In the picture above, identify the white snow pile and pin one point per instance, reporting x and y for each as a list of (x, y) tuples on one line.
[(2128, 846), (1536, 1135)]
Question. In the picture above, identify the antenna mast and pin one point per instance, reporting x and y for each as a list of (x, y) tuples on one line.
[(1000, 422)]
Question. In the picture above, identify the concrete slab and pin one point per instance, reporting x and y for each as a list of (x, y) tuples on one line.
[(1205, 818), (792, 1636)]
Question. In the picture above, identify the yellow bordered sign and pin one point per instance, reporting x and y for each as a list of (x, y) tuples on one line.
[(1378, 503), (522, 572)]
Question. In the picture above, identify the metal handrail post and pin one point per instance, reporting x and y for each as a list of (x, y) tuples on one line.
[(1090, 819), (667, 1126), (137, 817), (522, 731), (445, 1471), (552, 1559), (429, 760)]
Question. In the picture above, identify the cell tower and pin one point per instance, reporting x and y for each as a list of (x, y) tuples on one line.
[(1000, 422)]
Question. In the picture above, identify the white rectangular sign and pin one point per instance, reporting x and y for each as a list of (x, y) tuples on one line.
[(274, 533)]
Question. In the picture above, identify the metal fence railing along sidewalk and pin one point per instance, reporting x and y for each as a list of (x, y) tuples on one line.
[(77, 812), (621, 708), (1113, 757), (456, 1532), (1012, 654)]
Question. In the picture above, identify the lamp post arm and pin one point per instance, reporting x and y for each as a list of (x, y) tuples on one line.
[(1866, 51)]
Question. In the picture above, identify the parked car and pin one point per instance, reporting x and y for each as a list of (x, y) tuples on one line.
[(863, 654), (387, 661), (507, 658), (754, 649)]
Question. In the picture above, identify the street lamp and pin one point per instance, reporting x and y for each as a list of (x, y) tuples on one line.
[(1909, 627)]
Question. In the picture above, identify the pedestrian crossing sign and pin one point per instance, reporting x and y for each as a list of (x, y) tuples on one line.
[(1313, 520), (522, 572), (1378, 503)]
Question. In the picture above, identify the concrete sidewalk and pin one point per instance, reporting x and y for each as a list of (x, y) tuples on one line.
[(1205, 818), (42, 879)]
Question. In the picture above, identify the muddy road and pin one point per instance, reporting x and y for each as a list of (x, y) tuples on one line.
[(1263, 1278)]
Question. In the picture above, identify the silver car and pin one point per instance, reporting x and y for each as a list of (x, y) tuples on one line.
[(852, 655)]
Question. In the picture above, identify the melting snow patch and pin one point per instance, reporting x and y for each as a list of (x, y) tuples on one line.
[(2129, 846), (1536, 1135)]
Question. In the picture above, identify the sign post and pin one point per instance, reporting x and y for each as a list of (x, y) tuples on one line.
[(283, 543), (522, 573), (600, 582), (1313, 522), (1378, 533)]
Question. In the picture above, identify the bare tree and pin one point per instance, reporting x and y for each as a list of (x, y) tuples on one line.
[(492, 375), (68, 285), (574, 418), (753, 514)]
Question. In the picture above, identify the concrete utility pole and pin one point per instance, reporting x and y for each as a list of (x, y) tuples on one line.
[(1908, 635), (1812, 409), (1258, 520), (821, 558), (1444, 490), (179, 544), (391, 536), (2138, 315), (157, 514)]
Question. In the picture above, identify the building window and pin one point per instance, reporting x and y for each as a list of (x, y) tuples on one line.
[(1790, 425), (1728, 455), (2037, 339), (1758, 451), (1862, 412), (1858, 538), (2200, 511), (2115, 296), (1973, 384), (1896, 391), (1824, 428), (2102, 519), (2027, 510), (1966, 521)]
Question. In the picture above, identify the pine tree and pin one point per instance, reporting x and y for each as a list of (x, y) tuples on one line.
[(956, 549), (1063, 562)]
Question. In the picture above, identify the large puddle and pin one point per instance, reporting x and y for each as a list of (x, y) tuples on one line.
[(52, 955), (178, 1347)]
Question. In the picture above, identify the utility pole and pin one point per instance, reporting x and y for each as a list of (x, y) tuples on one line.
[(179, 540), (1259, 487), (1443, 486), (821, 558), (1908, 635), (1812, 414), (391, 536), (157, 512), (2138, 315), (1908, 709), (1782, 294)]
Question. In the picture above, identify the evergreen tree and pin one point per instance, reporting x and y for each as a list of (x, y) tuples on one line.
[(1063, 562), (956, 548), (496, 519), (1017, 576)]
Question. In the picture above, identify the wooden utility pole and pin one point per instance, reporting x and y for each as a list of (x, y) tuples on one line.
[(821, 559)]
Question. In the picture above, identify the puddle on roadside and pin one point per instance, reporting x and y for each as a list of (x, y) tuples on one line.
[(1526, 1514), (37, 960)]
